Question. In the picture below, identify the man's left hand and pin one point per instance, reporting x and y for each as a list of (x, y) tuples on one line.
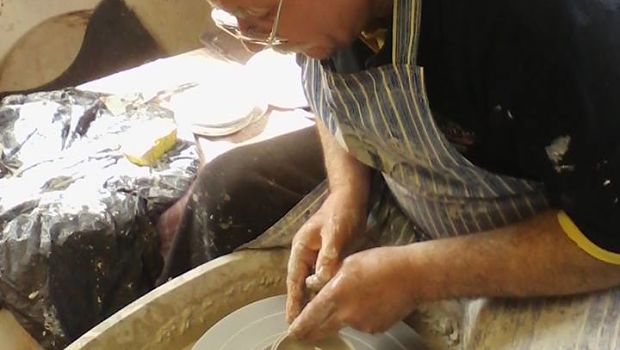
[(372, 291)]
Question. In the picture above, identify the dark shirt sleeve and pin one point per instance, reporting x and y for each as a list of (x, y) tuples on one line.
[(538, 83), (582, 170)]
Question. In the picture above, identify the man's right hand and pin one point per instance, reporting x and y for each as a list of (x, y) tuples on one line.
[(318, 245)]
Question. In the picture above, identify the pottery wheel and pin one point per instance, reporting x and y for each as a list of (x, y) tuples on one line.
[(258, 325)]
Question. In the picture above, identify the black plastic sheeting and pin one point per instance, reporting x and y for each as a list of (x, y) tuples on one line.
[(77, 241)]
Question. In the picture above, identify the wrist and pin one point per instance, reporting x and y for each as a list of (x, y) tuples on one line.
[(426, 281), (352, 186), (351, 197)]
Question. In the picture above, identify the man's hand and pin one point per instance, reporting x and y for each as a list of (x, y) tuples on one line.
[(370, 292), (320, 242), (375, 288), (318, 246)]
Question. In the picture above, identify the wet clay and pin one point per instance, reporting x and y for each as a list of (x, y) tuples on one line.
[(330, 343)]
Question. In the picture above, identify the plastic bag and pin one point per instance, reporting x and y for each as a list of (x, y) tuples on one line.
[(77, 241)]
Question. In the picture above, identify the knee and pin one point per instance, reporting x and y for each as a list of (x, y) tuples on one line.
[(224, 179)]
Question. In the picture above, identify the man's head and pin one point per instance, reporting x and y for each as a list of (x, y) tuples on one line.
[(316, 28)]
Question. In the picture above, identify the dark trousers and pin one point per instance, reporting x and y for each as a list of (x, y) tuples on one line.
[(240, 194)]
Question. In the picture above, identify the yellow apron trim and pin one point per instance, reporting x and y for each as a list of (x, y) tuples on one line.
[(573, 232)]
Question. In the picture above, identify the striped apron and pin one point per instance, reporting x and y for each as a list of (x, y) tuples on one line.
[(382, 117), (428, 190)]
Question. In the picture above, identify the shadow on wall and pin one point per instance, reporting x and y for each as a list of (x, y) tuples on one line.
[(44, 52), (118, 34)]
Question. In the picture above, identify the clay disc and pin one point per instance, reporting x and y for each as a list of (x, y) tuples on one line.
[(258, 325)]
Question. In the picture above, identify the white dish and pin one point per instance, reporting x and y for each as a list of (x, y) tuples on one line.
[(259, 325), (229, 127)]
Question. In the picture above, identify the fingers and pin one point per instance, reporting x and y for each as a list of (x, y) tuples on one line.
[(318, 320), (318, 245), (334, 236), (300, 264), (299, 267)]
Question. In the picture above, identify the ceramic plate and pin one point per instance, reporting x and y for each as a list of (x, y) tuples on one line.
[(258, 325)]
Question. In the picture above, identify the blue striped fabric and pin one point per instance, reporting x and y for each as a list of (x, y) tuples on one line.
[(382, 117)]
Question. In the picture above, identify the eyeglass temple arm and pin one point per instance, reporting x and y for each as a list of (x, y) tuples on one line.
[(276, 22)]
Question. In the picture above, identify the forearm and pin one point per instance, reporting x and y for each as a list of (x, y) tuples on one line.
[(345, 173), (533, 258)]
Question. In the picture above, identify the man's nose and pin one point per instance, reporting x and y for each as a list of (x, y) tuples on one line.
[(252, 28), (244, 25)]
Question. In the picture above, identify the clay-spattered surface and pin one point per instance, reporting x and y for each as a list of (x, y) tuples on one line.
[(175, 315)]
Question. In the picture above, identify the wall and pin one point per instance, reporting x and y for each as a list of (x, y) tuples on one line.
[(40, 39), (17, 17)]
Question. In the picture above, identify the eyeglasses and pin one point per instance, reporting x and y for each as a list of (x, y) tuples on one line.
[(229, 23)]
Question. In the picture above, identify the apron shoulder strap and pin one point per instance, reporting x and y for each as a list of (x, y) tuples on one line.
[(406, 31)]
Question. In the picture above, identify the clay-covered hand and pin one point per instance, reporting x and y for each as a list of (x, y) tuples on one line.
[(316, 253), (371, 291)]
